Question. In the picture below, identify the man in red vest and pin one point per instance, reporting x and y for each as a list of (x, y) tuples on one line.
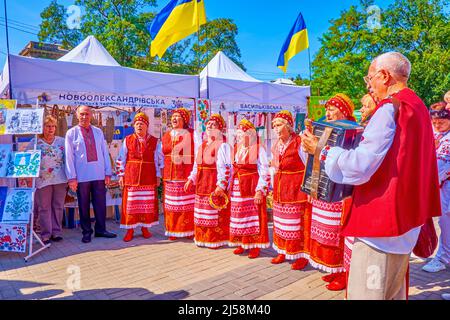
[(396, 182)]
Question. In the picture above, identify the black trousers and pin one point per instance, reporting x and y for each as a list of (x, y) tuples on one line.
[(94, 191)]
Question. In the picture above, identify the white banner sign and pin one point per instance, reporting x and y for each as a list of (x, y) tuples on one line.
[(231, 106), (104, 100)]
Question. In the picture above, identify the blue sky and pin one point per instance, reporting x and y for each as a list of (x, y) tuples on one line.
[(263, 26)]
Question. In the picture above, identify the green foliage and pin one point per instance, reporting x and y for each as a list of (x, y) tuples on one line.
[(54, 28), (419, 29), (217, 35), (120, 25)]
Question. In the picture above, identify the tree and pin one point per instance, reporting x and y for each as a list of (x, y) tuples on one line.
[(417, 28), (216, 35), (121, 26), (54, 27)]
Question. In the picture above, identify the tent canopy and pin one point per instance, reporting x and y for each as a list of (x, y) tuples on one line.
[(90, 51), (89, 70), (223, 80)]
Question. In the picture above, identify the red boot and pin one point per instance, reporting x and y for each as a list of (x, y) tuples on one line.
[(128, 235), (330, 277), (339, 283), (254, 253), (238, 250), (278, 259), (172, 238), (299, 264), (146, 233)]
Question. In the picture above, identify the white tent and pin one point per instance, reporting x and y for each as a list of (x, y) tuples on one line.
[(92, 77), (222, 80), (90, 51)]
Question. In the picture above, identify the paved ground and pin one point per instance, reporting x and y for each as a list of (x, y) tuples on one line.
[(160, 269)]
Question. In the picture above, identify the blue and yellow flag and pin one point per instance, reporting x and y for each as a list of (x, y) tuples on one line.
[(296, 41), (177, 20)]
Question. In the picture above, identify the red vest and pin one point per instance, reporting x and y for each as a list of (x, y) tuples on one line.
[(178, 156), (404, 191), (289, 175), (207, 168), (140, 166), (247, 172)]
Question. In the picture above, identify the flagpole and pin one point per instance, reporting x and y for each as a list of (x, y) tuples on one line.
[(310, 73), (7, 51)]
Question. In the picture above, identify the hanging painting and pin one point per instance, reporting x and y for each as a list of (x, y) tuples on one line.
[(4, 105), (3, 194), (5, 153), (13, 238), (24, 164), (24, 121), (18, 205)]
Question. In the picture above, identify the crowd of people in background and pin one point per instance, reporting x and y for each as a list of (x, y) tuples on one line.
[(215, 193)]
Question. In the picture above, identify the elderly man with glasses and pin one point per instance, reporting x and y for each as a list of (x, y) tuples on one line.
[(394, 171)]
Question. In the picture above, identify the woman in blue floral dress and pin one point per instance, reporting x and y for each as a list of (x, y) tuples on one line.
[(51, 185)]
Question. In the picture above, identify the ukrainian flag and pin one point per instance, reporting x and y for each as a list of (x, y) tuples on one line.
[(177, 20), (296, 41)]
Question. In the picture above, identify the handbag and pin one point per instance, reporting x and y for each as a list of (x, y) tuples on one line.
[(427, 241)]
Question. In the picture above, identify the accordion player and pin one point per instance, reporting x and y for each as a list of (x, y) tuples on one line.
[(343, 133)]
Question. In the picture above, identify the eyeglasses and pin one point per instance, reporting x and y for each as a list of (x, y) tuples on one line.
[(368, 79), (440, 114)]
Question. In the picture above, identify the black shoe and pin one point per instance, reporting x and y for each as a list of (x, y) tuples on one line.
[(56, 239), (105, 234), (86, 238), (46, 242)]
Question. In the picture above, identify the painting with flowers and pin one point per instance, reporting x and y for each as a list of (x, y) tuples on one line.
[(13, 238)]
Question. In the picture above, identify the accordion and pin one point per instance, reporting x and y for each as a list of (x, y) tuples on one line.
[(341, 133)]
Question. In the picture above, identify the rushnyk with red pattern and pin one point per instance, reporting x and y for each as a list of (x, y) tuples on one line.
[(204, 214), (244, 219), (181, 207), (140, 200), (325, 222)]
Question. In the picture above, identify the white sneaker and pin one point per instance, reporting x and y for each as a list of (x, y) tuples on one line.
[(446, 296), (434, 266)]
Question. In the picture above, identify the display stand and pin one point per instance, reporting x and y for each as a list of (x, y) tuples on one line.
[(33, 234)]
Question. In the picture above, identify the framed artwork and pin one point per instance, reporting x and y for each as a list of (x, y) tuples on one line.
[(24, 164), (24, 121), (18, 205), (3, 194), (5, 153), (4, 105), (13, 238)]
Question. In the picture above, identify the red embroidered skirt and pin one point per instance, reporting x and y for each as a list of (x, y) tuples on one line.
[(326, 247), (178, 210), (248, 222), (212, 227), (138, 207), (289, 230)]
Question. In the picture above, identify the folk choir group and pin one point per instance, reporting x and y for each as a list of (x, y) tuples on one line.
[(216, 192)]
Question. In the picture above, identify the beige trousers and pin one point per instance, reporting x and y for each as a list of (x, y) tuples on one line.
[(376, 275)]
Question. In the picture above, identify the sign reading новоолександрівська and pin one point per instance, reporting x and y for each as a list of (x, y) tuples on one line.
[(103, 100)]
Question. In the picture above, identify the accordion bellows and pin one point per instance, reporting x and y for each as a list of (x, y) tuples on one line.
[(341, 133)]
